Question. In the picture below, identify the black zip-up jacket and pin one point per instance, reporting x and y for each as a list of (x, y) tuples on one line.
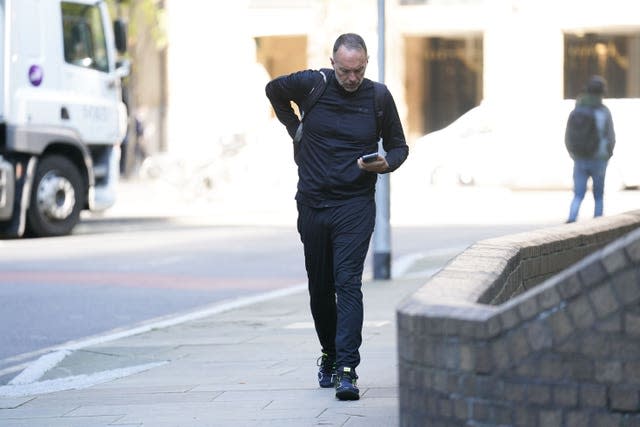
[(340, 128)]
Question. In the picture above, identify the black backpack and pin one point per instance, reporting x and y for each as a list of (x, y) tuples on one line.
[(318, 89), (582, 136)]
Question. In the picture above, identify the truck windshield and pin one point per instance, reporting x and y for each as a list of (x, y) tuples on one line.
[(84, 39)]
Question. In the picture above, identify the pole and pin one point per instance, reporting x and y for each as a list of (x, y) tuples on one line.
[(382, 230)]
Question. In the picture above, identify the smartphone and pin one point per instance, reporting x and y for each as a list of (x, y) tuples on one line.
[(368, 158)]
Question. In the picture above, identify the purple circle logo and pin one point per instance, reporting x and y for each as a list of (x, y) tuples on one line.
[(35, 75)]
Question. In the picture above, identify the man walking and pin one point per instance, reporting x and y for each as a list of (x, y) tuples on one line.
[(335, 197), (590, 121)]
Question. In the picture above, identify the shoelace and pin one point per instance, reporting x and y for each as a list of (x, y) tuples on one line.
[(324, 363), (349, 376)]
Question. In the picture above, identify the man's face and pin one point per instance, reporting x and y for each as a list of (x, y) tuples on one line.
[(349, 65)]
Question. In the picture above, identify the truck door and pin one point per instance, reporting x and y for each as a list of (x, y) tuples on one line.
[(94, 106)]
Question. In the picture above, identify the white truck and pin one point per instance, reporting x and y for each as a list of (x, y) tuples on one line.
[(62, 118)]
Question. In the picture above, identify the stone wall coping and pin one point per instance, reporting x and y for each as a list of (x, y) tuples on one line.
[(450, 298)]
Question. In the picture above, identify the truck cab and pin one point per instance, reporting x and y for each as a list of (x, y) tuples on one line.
[(62, 118)]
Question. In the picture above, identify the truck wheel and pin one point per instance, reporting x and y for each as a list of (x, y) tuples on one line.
[(57, 197)]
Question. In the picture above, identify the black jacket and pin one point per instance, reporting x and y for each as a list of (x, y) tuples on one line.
[(340, 128)]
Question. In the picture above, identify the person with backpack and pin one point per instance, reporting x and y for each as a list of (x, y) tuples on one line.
[(590, 139), (344, 116)]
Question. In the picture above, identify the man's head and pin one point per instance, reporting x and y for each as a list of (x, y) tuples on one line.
[(349, 61)]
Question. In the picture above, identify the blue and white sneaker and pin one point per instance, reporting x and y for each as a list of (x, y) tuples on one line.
[(346, 388), (327, 371)]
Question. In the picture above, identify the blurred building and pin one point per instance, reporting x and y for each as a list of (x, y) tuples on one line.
[(443, 57)]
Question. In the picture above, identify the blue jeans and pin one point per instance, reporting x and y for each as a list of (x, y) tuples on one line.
[(582, 170)]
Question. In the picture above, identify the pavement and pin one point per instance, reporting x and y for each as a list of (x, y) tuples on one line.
[(250, 361)]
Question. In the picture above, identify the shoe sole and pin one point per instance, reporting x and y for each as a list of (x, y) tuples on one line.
[(347, 395), (330, 385)]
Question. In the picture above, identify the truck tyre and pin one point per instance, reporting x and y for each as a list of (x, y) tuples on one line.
[(57, 197)]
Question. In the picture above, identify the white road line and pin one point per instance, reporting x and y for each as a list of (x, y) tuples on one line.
[(195, 315), (75, 382), (404, 263), (37, 369)]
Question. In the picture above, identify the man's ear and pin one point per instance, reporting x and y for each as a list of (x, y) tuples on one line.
[(332, 62)]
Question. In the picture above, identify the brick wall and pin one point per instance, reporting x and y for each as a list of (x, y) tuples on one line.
[(532, 329)]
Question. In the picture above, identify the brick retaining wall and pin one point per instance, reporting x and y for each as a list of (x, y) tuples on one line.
[(532, 329)]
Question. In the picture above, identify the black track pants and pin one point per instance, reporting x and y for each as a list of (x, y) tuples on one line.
[(336, 241)]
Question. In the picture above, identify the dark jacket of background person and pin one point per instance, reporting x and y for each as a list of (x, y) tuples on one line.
[(604, 122), (338, 130)]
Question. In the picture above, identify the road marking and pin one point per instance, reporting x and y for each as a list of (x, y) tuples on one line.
[(36, 370), (75, 382), (403, 264), (26, 383), (194, 315)]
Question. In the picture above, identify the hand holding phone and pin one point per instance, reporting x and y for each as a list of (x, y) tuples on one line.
[(373, 162), (368, 158)]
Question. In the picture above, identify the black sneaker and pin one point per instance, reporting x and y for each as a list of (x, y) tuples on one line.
[(346, 388), (327, 371)]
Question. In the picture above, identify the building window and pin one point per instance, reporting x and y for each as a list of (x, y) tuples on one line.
[(444, 80), (615, 57)]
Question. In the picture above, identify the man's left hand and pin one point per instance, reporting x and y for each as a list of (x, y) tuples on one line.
[(379, 165)]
